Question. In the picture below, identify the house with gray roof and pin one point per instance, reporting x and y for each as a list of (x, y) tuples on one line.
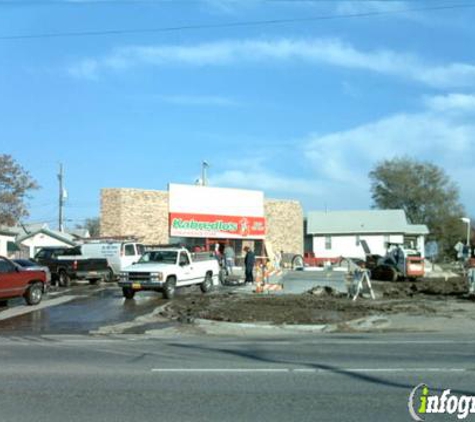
[(44, 237), (339, 233)]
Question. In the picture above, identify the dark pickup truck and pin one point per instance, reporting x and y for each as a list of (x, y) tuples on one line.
[(66, 264), (16, 281)]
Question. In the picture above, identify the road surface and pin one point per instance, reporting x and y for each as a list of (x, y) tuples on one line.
[(59, 378)]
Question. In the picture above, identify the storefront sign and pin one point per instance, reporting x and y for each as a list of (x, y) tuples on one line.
[(219, 226)]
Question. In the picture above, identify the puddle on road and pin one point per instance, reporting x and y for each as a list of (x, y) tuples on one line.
[(83, 314)]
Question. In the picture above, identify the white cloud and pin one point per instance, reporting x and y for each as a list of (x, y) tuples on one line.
[(200, 100), (266, 180), (332, 52), (342, 160), (452, 103), (86, 69), (339, 162)]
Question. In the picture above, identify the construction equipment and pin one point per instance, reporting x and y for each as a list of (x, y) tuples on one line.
[(398, 263)]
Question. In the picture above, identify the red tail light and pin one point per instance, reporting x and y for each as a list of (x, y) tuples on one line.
[(75, 265)]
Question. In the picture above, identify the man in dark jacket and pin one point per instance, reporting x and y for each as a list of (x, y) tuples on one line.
[(249, 261)]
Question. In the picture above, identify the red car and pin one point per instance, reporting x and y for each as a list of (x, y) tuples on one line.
[(16, 281)]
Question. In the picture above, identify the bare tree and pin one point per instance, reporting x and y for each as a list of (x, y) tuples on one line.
[(92, 225), (15, 186)]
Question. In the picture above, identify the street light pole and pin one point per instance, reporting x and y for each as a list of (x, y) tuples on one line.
[(204, 173), (467, 221)]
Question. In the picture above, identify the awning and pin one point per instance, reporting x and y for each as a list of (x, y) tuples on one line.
[(12, 247)]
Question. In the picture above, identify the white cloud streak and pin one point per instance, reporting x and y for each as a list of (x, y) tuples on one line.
[(340, 161), (267, 181), (331, 52), (200, 100), (454, 102)]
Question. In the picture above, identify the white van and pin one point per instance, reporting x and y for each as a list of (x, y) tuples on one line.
[(118, 254)]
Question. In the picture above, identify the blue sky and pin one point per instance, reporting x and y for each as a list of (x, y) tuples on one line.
[(301, 110)]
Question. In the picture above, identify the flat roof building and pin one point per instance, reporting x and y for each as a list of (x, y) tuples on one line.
[(201, 216)]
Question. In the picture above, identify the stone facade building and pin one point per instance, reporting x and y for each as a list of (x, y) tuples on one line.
[(145, 214)]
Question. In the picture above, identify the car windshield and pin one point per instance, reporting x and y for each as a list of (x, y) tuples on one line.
[(165, 257)]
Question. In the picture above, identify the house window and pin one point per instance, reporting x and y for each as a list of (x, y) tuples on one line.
[(328, 242)]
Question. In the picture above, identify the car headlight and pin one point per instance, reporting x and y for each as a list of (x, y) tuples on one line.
[(124, 275), (157, 276)]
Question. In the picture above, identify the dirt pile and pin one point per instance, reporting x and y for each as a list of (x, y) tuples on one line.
[(456, 286), (285, 309)]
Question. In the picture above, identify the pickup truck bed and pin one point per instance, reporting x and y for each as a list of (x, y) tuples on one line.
[(66, 266)]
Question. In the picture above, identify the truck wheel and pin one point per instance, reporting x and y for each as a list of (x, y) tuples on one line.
[(109, 277), (222, 276), (169, 288), (3, 302), (297, 262), (128, 292), (393, 275), (34, 294), (63, 279), (207, 284)]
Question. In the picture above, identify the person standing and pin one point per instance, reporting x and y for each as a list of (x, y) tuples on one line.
[(229, 258), (249, 262)]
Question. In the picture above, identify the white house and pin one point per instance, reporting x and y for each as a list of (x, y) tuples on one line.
[(7, 243), (44, 237), (339, 233)]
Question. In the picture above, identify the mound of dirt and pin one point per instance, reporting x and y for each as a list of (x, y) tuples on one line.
[(456, 286), (284, 309)]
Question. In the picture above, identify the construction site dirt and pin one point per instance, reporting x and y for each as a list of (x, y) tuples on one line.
[(323, 306)]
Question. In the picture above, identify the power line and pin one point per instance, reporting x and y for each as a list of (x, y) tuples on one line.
[(234, 24)]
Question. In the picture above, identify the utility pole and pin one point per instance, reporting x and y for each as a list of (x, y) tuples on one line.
[(204, 173), (61, 199)]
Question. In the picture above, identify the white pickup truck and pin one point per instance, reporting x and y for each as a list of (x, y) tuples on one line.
[(165, 269)]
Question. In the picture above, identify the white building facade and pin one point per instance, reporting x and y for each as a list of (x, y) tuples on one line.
[(339, 233), (7, 243)]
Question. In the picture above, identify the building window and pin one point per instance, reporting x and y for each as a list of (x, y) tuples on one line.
[(328, 242)]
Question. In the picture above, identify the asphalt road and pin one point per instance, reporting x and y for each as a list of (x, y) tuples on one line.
[(310, 378), (52, 370)]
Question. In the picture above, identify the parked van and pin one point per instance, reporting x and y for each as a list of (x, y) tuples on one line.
[(119, 254)]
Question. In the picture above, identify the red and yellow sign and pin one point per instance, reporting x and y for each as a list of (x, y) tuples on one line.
[(219, 226)]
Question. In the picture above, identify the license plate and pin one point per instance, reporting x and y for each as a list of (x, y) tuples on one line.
[(136, 286)]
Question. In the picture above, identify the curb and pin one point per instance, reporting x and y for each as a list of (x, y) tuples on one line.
[(209, 325), (375, 322)]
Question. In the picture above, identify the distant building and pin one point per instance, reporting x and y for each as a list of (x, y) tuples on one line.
[(25, 240), (30, 243), (8, 246), (203, 216), (339, 233)]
